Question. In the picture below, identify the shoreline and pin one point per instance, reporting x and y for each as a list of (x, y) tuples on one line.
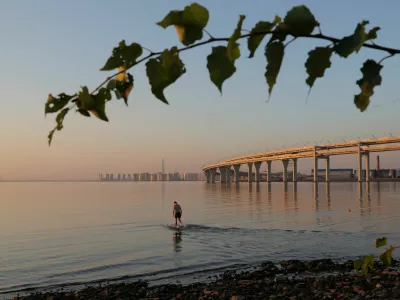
[(290, 279)]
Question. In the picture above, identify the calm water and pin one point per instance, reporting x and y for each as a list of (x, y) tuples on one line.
[(54, 233)]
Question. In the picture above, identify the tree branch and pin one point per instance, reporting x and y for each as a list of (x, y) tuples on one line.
[(318, 36)]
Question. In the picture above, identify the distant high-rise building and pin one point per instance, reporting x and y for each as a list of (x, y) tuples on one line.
[(161, 177), (191, 176), (144, 176), (173, 177), (163, 170)]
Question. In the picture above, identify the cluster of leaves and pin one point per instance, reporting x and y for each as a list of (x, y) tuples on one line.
[(366, 264), (165, 67)]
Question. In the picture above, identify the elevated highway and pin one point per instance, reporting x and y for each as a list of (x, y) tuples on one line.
[(362, 148)]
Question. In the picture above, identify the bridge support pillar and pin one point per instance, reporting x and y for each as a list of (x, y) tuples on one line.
[(315, 165), (213, 174), (294, 169), (228, 174), (359, 160), (222, 174), (269, 174), (367, 167), (257, 165), (236, 169), (208, 175), (327, 168), (250, 176), (285, 163)]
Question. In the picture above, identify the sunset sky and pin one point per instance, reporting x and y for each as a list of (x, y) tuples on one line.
[(57, 46)]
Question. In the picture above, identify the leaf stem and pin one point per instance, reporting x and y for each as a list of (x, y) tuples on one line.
[(290, 41), (209, 34), (390, 55), (147, 49)]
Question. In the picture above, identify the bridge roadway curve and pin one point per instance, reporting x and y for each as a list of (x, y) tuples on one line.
[(360, 147)]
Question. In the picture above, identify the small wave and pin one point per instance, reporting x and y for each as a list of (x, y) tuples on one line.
[(202, 227)]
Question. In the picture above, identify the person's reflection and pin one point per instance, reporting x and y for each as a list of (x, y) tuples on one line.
[(177, 239)]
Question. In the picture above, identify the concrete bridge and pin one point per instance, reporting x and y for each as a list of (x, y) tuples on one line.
[(362, 148)]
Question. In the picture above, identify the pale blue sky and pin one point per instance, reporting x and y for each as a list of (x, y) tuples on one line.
[(57, 46)]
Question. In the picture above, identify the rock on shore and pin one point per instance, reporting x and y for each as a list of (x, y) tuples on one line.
[(293, 279)]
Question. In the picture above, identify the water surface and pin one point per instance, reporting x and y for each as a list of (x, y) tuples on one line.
[(54, 233)]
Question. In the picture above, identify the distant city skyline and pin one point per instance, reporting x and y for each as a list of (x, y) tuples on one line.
[(199, 126)]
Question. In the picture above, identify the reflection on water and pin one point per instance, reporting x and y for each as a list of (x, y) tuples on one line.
[(104, 230), (177, 239)]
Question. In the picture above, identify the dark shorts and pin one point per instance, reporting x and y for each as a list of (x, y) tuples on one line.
[(178, 215)]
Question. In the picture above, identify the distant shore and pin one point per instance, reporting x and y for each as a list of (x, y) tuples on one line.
[(292, 279), (241, 180)]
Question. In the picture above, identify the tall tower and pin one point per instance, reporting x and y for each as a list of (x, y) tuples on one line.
[(378, 167), (163, 170)]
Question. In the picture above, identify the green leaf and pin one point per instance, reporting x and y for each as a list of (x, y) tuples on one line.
[(280, 33), (372, 34), (189, 23), (233, 50), (83, 112), (55, 104), (163, 71), (361, 102), (220, 66), (50, 136), (371, 78), (255, 40), (274, 53), (123, 56), (368, 263), (112, 84), (354, 42), (380, 242), (358, 263), (124, 87), (60, 118), (98, 109), (300, 21), (318, 61), (85, 100), (386, 257)]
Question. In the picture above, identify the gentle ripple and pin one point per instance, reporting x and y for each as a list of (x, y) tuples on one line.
[(71, 233)]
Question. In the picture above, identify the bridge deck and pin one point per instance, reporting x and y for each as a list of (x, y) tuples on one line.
[(369, 145)]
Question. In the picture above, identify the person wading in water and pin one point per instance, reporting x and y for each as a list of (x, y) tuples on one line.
[(177, 213)]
